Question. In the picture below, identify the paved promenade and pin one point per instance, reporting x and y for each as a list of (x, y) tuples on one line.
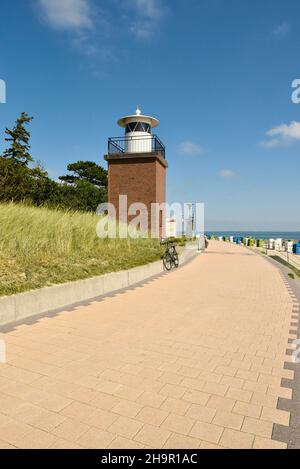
[(193, 359)]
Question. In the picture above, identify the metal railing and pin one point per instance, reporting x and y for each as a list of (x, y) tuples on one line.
[(147, 144)]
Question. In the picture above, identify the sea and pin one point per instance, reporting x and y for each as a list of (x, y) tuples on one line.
[(288, 235)]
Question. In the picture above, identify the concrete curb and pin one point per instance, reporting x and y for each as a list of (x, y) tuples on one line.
[(16, 308)]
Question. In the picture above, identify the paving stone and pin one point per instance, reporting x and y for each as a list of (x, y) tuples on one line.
[(153, 436), (151, 399), (196, 397), (37, 439), (175, 406), (78, 410), (178, 424), (207, 431), (221, 403), (70, 430), (202, 413), (152, 416), (182, 442), (239, 394), (124, 443), (228, 420), (14, 432), (265, 443), (234, 439), (109, 374), (101, 419), (95, 439), (125, 427), (257, 427), (249, 410), (276, 416), (171, 390), (127, 408)]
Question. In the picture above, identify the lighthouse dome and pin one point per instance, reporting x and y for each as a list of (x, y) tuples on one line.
[(138, 118), (138, 132)]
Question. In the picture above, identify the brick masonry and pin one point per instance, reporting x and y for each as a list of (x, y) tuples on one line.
[(141, 177)]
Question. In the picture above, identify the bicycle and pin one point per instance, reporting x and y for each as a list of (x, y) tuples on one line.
[(170, 257)]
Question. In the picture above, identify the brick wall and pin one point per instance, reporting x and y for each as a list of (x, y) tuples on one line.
[(142, 179)]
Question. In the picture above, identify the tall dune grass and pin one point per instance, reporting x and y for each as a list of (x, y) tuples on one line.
[(42, 247)]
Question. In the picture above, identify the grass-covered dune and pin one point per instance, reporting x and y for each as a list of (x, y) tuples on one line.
[(41, 247)]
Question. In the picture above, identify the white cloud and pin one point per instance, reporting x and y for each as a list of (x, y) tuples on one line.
[(90, 26), (272, 143), (148, 14), (148, 8), (291, 131), (283, 134), (141, 29), (77, 19), (67, 14), (227, 174), (282, 29), (190, 149)]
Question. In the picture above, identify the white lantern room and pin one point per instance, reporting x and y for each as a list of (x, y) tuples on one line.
[(138, 132)]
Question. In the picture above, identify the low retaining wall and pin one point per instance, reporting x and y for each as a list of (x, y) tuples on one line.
[(17, 307)]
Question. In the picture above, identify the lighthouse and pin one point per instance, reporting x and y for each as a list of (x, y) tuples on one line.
[(137, 168), (138, 132)]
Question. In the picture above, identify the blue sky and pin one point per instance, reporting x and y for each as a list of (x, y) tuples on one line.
[(217, 73)]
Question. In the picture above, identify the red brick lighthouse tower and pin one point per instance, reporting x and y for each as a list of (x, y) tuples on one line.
[(137, 168)]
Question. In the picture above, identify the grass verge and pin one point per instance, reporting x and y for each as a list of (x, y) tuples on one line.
[(290, 266), (41, 247)]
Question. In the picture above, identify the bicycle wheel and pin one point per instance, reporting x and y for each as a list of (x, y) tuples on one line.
[(176, 260), (167, 261)]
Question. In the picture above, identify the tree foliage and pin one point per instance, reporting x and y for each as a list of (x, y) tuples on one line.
[(15, 180), (87, 171), (19, 138), (83, 190)]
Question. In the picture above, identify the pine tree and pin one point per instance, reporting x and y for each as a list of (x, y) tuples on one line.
[(19, 138), (87, 171)]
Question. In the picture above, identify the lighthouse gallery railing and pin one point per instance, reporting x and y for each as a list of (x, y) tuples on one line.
[(119, 145)]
